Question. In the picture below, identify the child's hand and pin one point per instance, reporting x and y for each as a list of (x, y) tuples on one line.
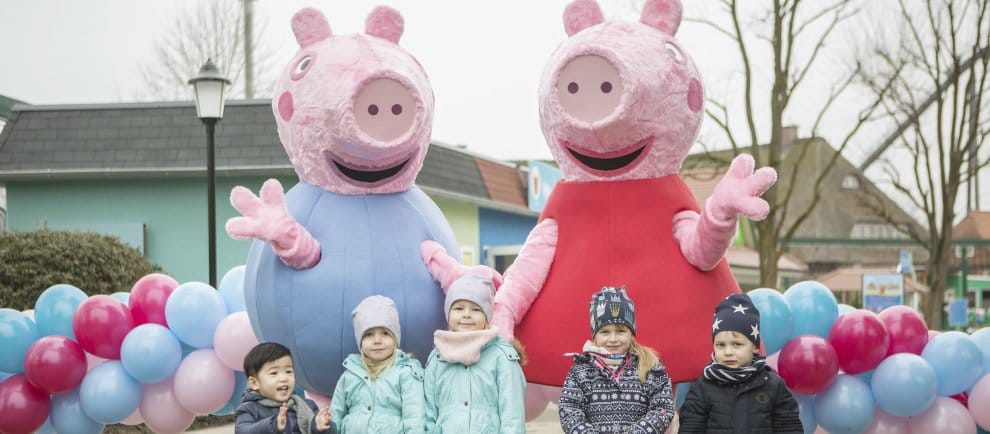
[(282, 418), (323, 419)]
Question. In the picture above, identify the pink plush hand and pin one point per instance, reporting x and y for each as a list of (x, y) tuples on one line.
[(446, 269), (738, 193), (505, 321), (267, 218)]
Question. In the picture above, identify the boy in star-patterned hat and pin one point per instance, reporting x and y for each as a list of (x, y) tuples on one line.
[(738, 391)]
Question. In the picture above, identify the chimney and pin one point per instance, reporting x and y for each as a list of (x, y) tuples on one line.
[(788, 135)]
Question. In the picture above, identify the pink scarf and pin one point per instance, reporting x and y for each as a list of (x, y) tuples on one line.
[(462, 347)]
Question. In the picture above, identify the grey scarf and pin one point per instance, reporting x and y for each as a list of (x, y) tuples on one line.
[(304, 414), (726, 375)]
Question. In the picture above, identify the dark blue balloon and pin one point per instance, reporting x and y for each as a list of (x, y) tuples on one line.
[(682, 391), (68, 417), (776, 322), (369, 245)]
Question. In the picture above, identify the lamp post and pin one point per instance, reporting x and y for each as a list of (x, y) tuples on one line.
[(208, 86)]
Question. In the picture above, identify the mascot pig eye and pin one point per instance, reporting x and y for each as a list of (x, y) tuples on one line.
[(606, 87), (674, 52), (385, 95), (572, 87), (302, 66)]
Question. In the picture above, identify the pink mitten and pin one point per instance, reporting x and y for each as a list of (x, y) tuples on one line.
[(446, 269), (738, 193), (266, 218)]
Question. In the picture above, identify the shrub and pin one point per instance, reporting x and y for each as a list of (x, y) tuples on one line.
[(30, 262)]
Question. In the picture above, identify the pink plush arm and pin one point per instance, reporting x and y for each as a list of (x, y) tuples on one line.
[(524, 279), (704, 238), (446, 269), (266, 218)]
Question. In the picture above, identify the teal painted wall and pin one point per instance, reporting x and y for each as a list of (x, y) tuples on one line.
[(173, 212)]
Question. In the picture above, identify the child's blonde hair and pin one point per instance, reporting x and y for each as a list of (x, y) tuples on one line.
[(648, 358)]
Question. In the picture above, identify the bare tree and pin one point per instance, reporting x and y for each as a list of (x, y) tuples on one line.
[(213, 29), (942, 50), (796, 33)]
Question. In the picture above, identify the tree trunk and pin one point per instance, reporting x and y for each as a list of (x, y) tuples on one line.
[(768, 252)]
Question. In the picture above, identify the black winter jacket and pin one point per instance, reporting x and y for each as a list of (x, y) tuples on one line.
[(761, 405)]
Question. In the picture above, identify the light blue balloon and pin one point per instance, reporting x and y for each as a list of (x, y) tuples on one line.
[(193, 311), (867, 376), (845, 308), (17, 333), (845, 407), (123, 297), (55, 307), (150, 353), (47, 428), (240, 386), (108, 394), (682, 391), (68, 417), (813, 307), (904, 384), (776, 322), (806, 410), (981, 338), (4, 376), (957, 360), (232, 289)]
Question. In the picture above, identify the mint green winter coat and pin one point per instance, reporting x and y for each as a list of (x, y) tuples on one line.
[(391, 404), (486, 397)]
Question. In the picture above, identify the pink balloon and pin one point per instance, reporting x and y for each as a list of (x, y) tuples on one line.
[(161, 411), (552, 393), (860, 341), (886, 423), (773, 361), (23, 406), (907, 329), (55, 364), (92, 361), (808, 364), (945, 416), (134, 419), (233, 339), (820, 430), (100, 324), (203, 384), (979, 402), (322, 401), (932, 334), (148, 297), (535, 402)]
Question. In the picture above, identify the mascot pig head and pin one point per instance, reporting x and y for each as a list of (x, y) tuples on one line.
[(354, 112), (620, 100)]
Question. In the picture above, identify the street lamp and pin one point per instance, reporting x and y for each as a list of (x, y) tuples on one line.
[(208, 86)]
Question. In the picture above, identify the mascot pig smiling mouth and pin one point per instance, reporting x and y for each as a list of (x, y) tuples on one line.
[(620, 107), (354, 113)]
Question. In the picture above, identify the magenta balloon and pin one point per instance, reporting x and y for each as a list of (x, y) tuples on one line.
[(907, 329), (148, 297), (55, 364), (322, 401), (100, 324), (860, 341), (945, 416), (886, 423), (24, 407), (808, 364), (534, 403), (161, 411)]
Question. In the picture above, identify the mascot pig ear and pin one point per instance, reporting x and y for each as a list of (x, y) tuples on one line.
[(663, 15), (580, 15), (310, 27), (386, 23)]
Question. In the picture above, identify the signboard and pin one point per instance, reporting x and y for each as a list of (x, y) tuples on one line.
[(957, 313), (881, 291), (906, 264), (542, 178)]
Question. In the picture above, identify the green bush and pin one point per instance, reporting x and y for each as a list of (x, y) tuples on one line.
[(30, 262)]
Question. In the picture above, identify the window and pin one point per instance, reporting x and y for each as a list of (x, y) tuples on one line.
[(873, 230)]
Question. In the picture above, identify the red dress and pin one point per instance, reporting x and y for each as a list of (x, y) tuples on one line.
[(615, 233)]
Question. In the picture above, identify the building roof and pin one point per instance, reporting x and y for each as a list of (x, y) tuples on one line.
[(975, 226), (850, 279), (167, 139)]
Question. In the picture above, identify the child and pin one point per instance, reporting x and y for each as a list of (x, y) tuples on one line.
[(738, 392), (616, 384), (474, 383), (269, 406), (381, 390)]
